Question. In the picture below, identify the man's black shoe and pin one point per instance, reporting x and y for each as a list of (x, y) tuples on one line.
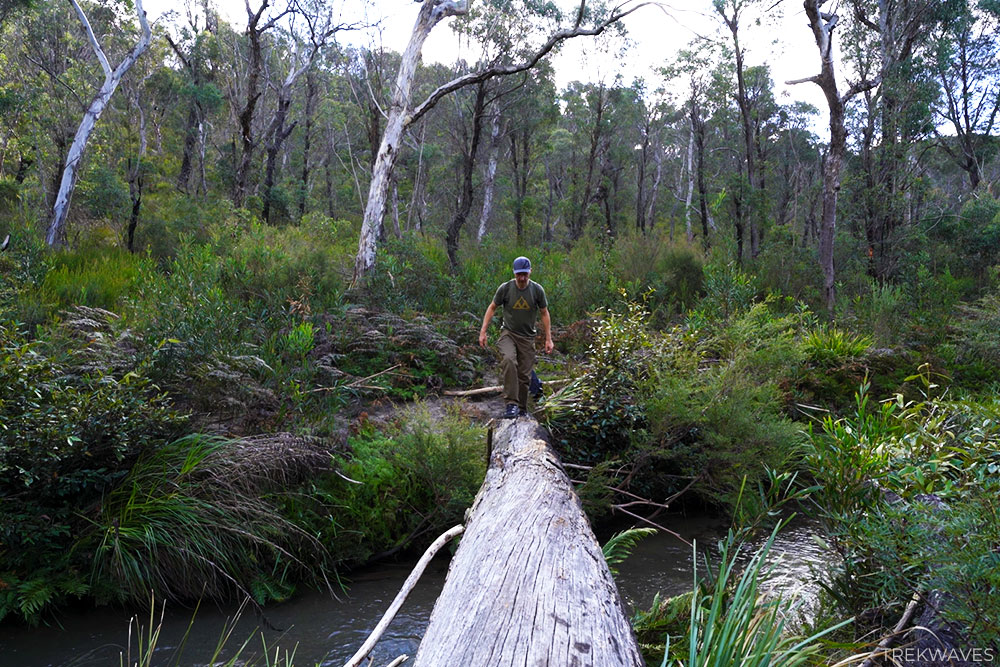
[(535, 386), (521, 412), (511, 412)]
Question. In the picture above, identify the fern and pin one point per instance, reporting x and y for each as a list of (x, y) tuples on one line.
[(620, 546), (34, 595)]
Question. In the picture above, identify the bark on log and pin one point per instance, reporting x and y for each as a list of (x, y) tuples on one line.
[(528, 584)]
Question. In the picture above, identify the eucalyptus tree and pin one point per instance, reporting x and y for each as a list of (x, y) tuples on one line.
[(556, 154), (822, 25), (794, 170), (54, 235), (318, 27), (696, 68), (196, 49), (750, 208), (649, 124), (890, 42), (966, 60), (401, 115), (584, 117), (9, 7), (259, 23)]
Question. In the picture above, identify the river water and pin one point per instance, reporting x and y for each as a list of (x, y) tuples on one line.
[(326, 631)]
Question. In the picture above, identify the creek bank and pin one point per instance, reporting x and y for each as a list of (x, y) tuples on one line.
[(326, 631)]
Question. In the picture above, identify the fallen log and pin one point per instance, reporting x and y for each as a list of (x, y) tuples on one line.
[(528, 584)]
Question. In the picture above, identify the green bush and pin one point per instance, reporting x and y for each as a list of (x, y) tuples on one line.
[(103, 192), (672, 270), (405, 485), (594, 416), (906, 490), (67, 435)]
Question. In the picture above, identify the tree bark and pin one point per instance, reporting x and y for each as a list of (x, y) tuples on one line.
[(520, 155), (135, 177), (698, 127), (306, 141), (688, 229), (55, 232), (528, 584)]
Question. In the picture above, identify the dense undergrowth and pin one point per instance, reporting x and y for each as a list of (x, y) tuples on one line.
[(211, 389)]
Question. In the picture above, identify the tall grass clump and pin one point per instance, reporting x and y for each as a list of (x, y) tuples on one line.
[(271, 268), (95, 277), (200, 517)]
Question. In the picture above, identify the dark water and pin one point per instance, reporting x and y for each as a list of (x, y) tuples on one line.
[(324, 631)]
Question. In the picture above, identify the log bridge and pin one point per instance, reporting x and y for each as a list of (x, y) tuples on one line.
[(528, 585)]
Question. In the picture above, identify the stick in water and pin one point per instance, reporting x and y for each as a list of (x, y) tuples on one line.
[(408, 586)]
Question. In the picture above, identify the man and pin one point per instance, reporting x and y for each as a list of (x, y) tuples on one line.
[(523, 301)]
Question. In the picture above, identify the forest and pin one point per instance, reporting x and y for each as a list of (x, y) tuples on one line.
[(243, 262)]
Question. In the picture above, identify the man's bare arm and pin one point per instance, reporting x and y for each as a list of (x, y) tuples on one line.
[(486, 323), (547, 328)]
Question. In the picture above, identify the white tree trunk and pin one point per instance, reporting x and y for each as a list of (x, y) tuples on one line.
[(489, 185), (528, 584), (54, 234), (690, 186), (431, 13), (655, 189), (400, 116)]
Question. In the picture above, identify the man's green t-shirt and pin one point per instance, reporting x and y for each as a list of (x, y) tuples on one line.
[(520, 307)]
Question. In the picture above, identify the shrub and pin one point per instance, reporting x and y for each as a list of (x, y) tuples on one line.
[(67, 436), (673, 271), (104, 194), (594, 416), (403, 486), (906, 492)]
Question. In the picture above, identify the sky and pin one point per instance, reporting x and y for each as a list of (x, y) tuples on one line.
[(657, 32)]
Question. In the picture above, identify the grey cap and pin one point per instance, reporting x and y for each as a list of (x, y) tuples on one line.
[(522, 265)]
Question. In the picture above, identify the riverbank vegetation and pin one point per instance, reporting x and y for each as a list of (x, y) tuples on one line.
[(202, 397)]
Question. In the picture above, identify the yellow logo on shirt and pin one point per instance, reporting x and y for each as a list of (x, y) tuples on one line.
[(521, 304)]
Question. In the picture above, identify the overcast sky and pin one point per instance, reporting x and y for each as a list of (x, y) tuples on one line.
[(784, 43)]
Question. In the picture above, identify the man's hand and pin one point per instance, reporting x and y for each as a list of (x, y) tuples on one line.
[(549, 346), (482, 339)]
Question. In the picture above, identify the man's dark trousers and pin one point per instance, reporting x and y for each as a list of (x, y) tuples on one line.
[(517, 358)]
